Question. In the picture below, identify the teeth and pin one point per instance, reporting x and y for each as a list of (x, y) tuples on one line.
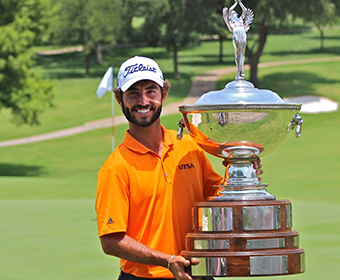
[(143, 110)]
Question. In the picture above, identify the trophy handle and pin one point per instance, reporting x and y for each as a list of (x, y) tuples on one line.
[(297, 122), (180, 129)]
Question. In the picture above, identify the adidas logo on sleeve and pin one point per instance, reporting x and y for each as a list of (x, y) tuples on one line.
[(110, 221)]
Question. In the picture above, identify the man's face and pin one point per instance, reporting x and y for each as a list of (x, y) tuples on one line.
[(142, 103)]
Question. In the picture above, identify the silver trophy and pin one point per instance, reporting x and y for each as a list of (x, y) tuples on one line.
[(244, 230)]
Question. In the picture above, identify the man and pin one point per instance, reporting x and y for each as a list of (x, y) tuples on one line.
[(144, 195)]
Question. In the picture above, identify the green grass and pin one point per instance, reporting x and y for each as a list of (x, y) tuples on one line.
[(48, 220), (47, 189), (305, 171), (313, 78), (51, 239)]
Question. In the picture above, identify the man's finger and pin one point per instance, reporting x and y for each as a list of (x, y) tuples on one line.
[(195, 262)]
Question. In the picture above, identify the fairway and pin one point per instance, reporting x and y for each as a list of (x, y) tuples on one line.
[(47, 189), (49, 239), (48, 222)]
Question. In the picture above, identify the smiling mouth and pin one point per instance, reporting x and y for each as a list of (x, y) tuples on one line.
[(143, 110)]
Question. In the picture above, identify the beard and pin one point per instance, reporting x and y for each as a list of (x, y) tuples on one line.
[(143, 122)]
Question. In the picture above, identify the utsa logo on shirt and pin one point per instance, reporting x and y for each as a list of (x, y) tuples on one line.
[(186, 166)]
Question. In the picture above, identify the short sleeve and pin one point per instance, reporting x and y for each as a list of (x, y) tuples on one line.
[(112, 202)]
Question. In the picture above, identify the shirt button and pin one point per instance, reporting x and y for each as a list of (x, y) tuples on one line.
[(166, 174)]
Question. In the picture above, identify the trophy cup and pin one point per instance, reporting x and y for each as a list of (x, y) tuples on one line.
[(244, 230)]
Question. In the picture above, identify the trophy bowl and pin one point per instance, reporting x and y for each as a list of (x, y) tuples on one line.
[(236, 123), (238, 113)]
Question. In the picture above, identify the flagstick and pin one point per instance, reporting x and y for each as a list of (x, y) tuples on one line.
[(107, 84), (113, 110), (113, 121)]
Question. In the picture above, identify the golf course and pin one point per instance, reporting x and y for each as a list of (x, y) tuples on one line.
[(48, 188)]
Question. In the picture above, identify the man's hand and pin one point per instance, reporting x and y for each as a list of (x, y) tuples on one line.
[(177, 267), (257, 165)]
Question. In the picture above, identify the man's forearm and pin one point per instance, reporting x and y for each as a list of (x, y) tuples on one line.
[(127, 248), (122, 246)]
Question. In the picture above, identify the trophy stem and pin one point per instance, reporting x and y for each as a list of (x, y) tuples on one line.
[(241, 181)]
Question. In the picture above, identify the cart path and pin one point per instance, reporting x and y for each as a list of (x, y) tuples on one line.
[(200, 85)]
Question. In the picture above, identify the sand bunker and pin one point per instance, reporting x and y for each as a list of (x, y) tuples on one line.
[(314, 104)]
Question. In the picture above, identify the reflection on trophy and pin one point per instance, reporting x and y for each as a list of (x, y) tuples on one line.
[(244, 230)]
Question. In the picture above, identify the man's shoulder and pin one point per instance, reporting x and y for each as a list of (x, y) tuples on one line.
[(185, 138), (115, 158), (186, 142)]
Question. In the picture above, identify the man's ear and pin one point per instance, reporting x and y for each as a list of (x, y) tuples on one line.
[(118, 97), (165, 95)]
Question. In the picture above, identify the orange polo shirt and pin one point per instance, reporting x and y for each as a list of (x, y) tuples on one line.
[(150, 197)]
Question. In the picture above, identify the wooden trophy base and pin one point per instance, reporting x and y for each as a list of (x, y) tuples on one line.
[(243, 238)]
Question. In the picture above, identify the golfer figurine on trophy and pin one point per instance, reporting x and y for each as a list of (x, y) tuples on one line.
[(239, 27)]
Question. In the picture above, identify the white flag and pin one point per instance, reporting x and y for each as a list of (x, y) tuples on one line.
[(106, 84)]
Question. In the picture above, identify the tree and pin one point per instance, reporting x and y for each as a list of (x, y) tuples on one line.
[(90, 23), (22, 90), (270, 14), (321, 13), (175, 24), (216, 26)]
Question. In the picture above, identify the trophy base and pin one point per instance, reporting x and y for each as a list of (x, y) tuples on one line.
[(243, 238), (236, 264)]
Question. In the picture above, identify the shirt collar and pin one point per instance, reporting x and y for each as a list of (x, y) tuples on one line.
[(134, 145)]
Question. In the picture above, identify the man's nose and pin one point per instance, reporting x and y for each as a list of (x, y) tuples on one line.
[(143, 99)]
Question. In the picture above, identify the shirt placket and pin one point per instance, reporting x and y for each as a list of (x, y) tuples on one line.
[(167, 173)]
